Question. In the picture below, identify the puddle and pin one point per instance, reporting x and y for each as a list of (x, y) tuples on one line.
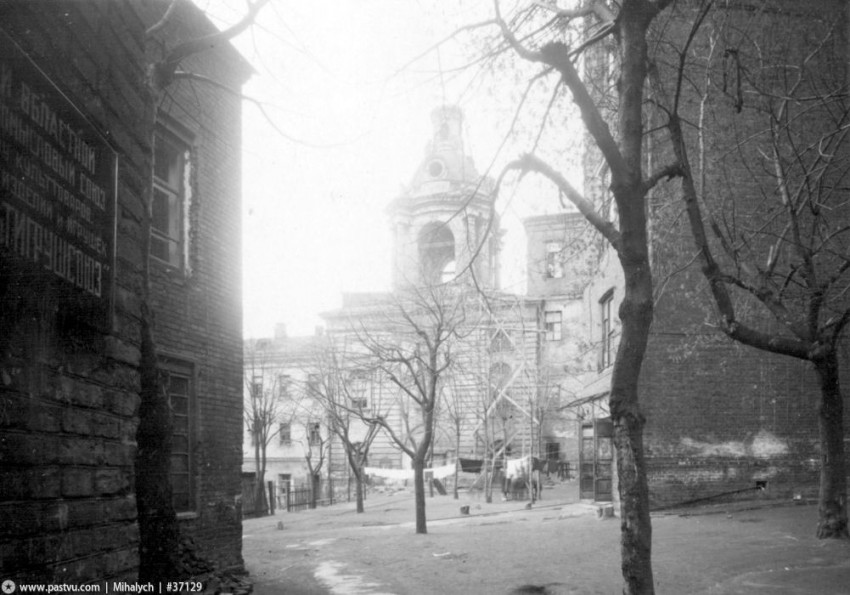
[(330, 573)]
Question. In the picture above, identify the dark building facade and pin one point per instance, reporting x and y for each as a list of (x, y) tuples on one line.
[(84, 146), (724, 418)]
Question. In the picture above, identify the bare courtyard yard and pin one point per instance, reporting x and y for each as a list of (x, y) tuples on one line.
[(559, 543)]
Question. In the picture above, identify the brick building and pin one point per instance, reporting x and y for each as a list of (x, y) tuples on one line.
[(79, 161), (722, 418)]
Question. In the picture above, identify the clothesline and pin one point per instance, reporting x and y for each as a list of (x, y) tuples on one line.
[(513, 467), (407, 474)]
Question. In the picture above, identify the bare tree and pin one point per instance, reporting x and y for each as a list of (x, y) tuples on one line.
[(316, 449), (158, 528), (778, 263), (267, 405), (341, 390), (627, 23), (414, 354)]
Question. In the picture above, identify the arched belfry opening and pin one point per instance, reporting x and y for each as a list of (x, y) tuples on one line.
[(437, 253), (438, 220)]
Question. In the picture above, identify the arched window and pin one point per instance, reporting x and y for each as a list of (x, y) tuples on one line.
[(500, 341), (437, 253)]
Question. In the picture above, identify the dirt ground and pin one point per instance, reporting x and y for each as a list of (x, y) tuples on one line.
[(559, 544)]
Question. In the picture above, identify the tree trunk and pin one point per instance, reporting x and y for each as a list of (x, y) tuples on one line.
[(636, 314), (260, 490), (419, 493), (355, 462), (457, 464), (636, 529), (315, 484), (832, 498), (358, 478)]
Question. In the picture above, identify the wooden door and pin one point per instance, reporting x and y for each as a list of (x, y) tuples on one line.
[(596, 460)]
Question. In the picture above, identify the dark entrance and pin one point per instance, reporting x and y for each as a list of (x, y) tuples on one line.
[(596, 460)]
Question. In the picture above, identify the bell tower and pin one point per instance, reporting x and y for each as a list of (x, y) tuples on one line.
[(441, 223)]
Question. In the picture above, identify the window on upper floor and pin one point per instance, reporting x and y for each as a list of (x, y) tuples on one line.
[(172, 193), (606, 354), (314, 433), (285, 434), (553, 321), (257, 386), (314, 384), (283, 383), (501, 341), (554, 262)]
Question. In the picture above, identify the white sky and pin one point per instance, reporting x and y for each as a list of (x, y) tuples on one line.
[(314, 223)]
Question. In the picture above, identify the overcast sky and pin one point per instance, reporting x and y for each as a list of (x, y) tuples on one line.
[(338, 82)]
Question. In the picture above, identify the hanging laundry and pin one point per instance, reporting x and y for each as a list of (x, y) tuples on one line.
[(442, 472), (517, 468), (394, 474)]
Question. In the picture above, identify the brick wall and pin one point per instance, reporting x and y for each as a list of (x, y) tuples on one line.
[(69, 386), (70, 393), (721, 416)]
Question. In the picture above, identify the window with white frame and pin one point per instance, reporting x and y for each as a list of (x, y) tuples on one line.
[(170, 202), (553, 321)]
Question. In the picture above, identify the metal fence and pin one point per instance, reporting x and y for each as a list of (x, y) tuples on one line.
[(293, 499)]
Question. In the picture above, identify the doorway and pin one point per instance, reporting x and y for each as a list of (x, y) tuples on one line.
[(596, 460)]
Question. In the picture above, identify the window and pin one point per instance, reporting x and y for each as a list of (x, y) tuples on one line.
[(181, 396), (501, 341), (500, 376), (315, 433), (359, 403), (606, 356), (285, 433), (314, 384), (283, 382), (171, 195), (554, 265), (256, 386), (553, 325)]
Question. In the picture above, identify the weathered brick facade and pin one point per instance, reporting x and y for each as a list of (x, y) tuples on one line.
[(69, 380), (721, 416)]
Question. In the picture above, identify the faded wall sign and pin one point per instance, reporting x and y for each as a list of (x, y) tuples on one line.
[(57, 189)]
